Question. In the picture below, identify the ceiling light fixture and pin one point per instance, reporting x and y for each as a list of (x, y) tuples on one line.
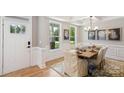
[(90, 28)]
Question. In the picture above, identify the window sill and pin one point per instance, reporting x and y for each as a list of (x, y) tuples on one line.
[(54, 49)]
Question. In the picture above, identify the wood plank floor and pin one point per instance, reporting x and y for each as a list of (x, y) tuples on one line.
[(55, 61), (34, 71)]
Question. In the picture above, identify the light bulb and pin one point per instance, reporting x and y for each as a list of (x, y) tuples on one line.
[(85, 29), (96, 27), (89, 28)]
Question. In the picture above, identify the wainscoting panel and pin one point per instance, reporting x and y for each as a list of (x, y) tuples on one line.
[(42, 55), (111, 51), (115, 52), (120, 52), (38, 56)]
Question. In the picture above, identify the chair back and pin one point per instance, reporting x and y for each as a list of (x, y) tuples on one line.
[(101, 55), (70, 56), (104, 52)]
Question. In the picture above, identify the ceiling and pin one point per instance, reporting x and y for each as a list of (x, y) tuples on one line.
[(81, 20)]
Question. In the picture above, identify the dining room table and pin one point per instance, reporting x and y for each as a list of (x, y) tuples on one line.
[(87, 54)]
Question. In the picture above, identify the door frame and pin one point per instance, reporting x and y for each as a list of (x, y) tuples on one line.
[(1, 47), (2, 18)]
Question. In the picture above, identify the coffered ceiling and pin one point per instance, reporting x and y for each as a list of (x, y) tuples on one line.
[(80, 20)]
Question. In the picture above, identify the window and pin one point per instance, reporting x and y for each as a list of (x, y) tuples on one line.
[(17, 28), (72, 35), (54, 36)]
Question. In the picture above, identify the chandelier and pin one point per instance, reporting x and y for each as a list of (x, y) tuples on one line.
[(90, 27)]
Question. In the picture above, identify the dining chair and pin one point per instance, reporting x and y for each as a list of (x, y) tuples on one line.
[(74, 66), (98, 63), (103, 57)]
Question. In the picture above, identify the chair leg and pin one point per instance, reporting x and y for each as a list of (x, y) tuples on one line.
[(102, 65)]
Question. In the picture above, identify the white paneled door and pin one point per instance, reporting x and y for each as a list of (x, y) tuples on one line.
[(17, 44), (0, 48)]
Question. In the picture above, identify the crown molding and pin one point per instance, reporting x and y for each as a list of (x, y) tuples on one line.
[(63, 20), (73, 21)]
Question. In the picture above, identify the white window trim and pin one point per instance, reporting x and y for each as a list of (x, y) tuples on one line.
[(75, 45), (60, 35)]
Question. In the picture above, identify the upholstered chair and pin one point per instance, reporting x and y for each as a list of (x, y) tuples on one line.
[(103, 57), (97, 63), (73, 66)]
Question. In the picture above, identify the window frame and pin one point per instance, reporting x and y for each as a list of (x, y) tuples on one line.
[(75, 44), (60, 36)]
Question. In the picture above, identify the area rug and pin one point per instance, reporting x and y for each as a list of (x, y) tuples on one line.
[(59, 67)]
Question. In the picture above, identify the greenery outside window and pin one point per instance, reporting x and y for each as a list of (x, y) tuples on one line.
[(54, 35), (72, 35)]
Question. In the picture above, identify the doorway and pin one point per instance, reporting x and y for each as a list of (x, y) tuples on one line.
[(17, 38)]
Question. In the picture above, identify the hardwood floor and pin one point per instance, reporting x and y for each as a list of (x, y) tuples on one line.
[(52, 62), (34, 71)]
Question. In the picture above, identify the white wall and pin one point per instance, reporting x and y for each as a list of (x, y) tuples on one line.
[(43, 32), (34, 31), (115, 23)]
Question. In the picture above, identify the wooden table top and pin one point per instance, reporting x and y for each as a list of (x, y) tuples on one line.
[(87, 54)]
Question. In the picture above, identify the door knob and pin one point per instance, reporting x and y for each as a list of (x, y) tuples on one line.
[(29, 43)]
